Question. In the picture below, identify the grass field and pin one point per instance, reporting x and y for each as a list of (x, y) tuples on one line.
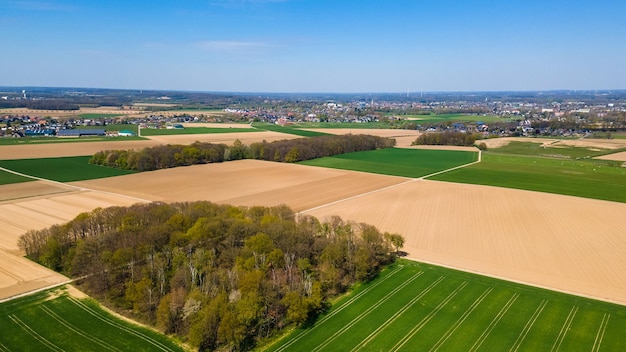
[(419, 307), (66, 169), (43, 322), (192, 130), (112, 127), (397, 162), (589, 178), (48, 140)]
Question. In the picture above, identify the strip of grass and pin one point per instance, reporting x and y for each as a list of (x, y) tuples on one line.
[(48, 140), (41, 322), (192, 130), (65, 169), (452, 118), (289, 130), (397, 161), (419, 307), (589, 178), (9, 178)]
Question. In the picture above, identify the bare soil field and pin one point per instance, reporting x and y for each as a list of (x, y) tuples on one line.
[(77, 147), (565, 243), (245, 182), (615, 156), (19, 275)]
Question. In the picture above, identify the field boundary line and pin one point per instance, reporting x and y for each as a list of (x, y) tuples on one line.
[(529, 325), (461, 319), (375, 333), (74, 329), (427, 318), (494, 322), (564, 329), (339, 309), (34, 333), (366, 312), (112, 322), (600, 335), (410, 180)]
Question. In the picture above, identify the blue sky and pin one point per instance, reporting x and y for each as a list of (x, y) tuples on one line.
[(314, 45)]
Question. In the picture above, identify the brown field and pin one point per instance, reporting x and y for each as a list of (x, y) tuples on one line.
[(560, 242), (621, 156)]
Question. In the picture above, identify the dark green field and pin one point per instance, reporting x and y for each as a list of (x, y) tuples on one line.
[(420, 307), (8, 178), (192, 130), (66, 169), (552, 170), (397, 162), (38, 323)]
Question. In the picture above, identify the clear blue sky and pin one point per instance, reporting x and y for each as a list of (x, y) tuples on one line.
[(314, 45)]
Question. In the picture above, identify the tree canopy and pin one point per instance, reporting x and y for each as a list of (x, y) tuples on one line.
[(218, 276)]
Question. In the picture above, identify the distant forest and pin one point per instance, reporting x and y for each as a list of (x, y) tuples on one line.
[(218, 276), (294, 150)]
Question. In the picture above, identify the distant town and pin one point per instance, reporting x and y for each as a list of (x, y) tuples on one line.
[(62, 112)]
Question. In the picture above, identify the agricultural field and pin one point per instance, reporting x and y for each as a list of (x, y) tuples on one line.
[(289, 129), (9, 178), (55, 320), (96, 116), (64, 169), (419, 307), (453, 118), (566, 170), (398, 162), (192, 130)]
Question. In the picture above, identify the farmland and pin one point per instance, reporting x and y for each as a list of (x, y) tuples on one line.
[(567, 171), (451, 118), (523, 236), (192, 130), (397, 162), (64, 169), (420, 307), (57, 321)]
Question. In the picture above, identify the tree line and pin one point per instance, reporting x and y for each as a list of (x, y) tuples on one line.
[(447, 138), (218, 276), (294, 150)]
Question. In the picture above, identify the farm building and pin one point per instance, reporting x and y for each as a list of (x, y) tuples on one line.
[(81, 133), (126, 133), (44, 132)]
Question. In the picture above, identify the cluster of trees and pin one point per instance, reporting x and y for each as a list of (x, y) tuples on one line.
[(447, 138), (300, 149), (293, 150), (161, 157), (218, 276)]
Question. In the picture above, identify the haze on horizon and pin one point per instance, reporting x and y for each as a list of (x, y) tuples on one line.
[(314, 45)]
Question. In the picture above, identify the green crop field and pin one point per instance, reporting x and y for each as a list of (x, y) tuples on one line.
[(43, 322), (560, 173), (397, 161), (193, 130), (48, 140), (8, 178), (418, 307), (65, 169)]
